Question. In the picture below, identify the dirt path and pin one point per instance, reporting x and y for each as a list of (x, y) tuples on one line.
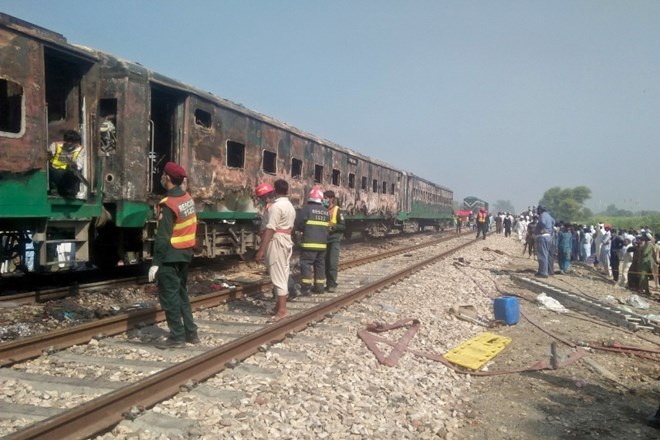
[(603, 396)]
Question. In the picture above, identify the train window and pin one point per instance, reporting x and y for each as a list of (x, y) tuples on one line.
[(269, 162), (11, 107), (336, 177), (374, 186), (235, 154), (318, 173), (392, 188), (364, 183), (296, 168), (203, 118), (351, 180)]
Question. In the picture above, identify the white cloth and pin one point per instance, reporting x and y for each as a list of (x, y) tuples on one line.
[(152, 273)]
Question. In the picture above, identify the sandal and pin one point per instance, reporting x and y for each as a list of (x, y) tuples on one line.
[(278, 318)]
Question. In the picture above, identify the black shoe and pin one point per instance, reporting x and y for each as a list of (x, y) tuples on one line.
[(305, 292), (192, 339), (293, 294), (170, 343), (318, 290), (331, 289)]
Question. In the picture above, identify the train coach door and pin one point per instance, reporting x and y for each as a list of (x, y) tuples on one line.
[(165, 130)]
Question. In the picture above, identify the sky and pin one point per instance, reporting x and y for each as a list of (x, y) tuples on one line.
[(501, 100)]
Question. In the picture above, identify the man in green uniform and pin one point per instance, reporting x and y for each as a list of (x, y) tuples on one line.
[(336, 232), (173, 251)]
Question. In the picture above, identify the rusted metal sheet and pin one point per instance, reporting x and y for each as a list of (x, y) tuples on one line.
[(22, 64)]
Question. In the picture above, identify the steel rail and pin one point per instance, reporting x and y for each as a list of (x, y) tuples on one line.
[(34, 346), (102, 413)]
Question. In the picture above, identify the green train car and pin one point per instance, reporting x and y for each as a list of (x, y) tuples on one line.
[(132, 121)]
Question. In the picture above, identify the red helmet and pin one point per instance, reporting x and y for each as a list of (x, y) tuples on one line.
[(263, 189), (316, 195)]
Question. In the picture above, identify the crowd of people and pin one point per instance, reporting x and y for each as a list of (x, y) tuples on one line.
[(628, 257)]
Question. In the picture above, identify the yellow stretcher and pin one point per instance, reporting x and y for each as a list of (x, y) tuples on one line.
[(473, 354)]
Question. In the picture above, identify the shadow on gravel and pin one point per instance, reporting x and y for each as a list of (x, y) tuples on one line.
[(577, 409)]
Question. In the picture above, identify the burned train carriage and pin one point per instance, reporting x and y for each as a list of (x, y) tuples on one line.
[(133, 121)]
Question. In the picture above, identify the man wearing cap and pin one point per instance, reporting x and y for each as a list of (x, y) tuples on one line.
[(313, 220), (173, 251)]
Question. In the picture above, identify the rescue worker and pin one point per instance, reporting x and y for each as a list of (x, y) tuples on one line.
[(482, 222), (276, 245), (336, 230), (313, 220), (173, 252), (67, 160)]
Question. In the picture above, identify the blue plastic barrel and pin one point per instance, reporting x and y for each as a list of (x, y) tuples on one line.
[(507, 309)]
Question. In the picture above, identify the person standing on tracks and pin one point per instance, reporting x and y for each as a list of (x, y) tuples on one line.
[(313, 220), (276, 245), (265, 194), (173, 252), (544, 233), (336, 230), (482, 222), (67, 161)]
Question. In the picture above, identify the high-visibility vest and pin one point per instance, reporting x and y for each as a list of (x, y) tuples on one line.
[(63, 158), (481, 217), (334, 211), (185, 224)]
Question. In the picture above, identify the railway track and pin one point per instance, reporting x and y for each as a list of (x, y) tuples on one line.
[(236, 333)]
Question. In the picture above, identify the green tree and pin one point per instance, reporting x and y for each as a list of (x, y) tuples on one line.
[(502, 206), (613, 211), (566, 204)]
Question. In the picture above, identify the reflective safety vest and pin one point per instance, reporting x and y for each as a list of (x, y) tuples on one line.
[(315, 233), (481, 217), (185, 224), (63, 158), (334, 211)]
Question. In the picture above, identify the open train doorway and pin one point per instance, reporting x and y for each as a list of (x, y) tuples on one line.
[(166, 133)]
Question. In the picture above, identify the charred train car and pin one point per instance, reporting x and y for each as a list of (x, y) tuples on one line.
[(133, 121)]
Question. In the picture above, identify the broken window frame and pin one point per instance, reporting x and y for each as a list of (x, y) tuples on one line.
[(269, 158), (336, 177), (6, 126), (296, 168), (235, 154), (203, 119), (318, 173)]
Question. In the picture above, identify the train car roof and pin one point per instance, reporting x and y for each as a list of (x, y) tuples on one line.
[(48, 37), (429, 182)]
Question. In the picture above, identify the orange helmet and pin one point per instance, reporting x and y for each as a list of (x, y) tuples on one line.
[(263, 189), (316, 195)]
